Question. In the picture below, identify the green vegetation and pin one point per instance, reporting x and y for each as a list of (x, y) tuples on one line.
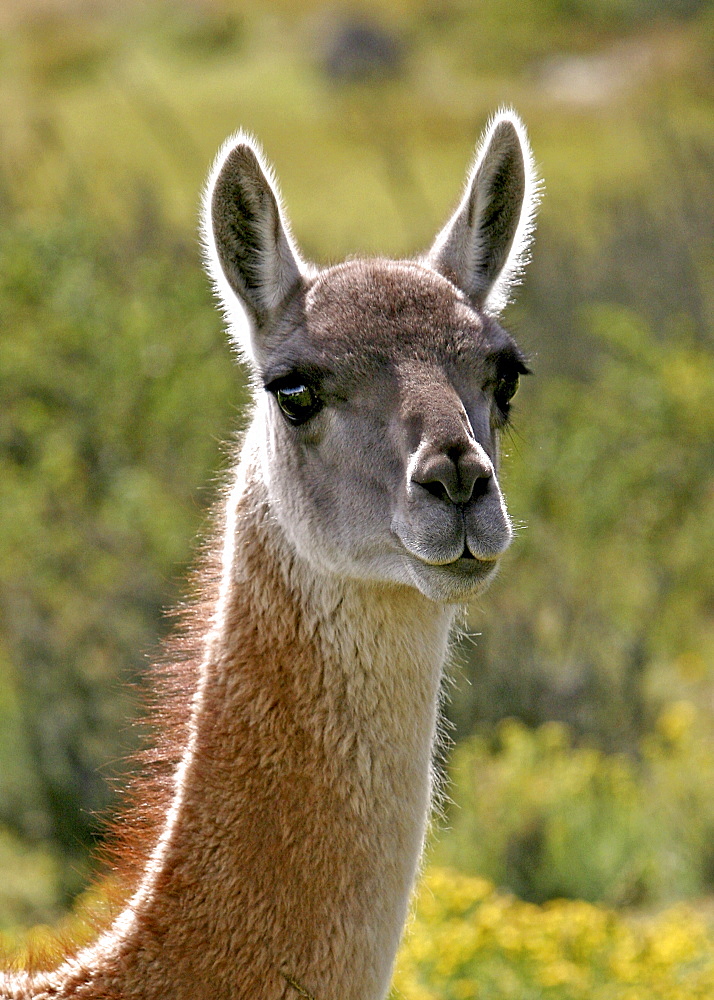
[(117, 390), (604, 608), (550, 820)]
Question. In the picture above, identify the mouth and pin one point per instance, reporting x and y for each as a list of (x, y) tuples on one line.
[(455, 581), (469, 565)]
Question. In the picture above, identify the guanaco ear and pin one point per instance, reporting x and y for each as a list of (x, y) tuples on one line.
[(484, 245), (250, 254)]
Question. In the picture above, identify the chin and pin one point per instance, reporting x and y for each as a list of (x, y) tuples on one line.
[(454, 583)]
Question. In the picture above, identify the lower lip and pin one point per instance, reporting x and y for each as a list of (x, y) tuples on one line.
[(470, 566)]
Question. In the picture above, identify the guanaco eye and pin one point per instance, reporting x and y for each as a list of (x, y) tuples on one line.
[(298, 401), (506, 388)]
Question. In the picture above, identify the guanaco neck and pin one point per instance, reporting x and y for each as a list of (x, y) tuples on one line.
[(303, 795)]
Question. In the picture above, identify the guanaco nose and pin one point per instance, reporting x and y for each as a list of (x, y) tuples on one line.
[(454, 470)]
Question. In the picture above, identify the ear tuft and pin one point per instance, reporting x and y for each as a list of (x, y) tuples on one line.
[(484, 246), (248, 249)]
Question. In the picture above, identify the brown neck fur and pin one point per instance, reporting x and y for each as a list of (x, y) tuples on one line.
[(301, 801)]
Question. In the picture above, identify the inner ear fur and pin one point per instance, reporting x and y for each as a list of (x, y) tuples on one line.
[(484, 245), (250, 253)]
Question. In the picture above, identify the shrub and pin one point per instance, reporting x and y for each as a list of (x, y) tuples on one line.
[(467, 941), (546, 819)]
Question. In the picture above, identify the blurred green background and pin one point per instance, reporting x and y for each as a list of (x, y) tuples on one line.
[(582, 701)]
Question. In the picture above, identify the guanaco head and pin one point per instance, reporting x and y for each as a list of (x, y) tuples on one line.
[(381, 386)]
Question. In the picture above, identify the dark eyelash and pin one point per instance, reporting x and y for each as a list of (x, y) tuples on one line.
[(505, 384), (285, 381), (308, 374)]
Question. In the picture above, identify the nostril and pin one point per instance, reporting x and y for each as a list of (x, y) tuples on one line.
[(480, 487), (437, 490), (475, 472), (456, 474), (458, 492)]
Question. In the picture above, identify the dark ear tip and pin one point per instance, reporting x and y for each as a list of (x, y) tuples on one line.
[(245, 152), (506, 132), (240, 176), (240, 159)]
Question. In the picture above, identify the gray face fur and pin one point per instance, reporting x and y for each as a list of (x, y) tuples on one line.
[(381, 386)]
